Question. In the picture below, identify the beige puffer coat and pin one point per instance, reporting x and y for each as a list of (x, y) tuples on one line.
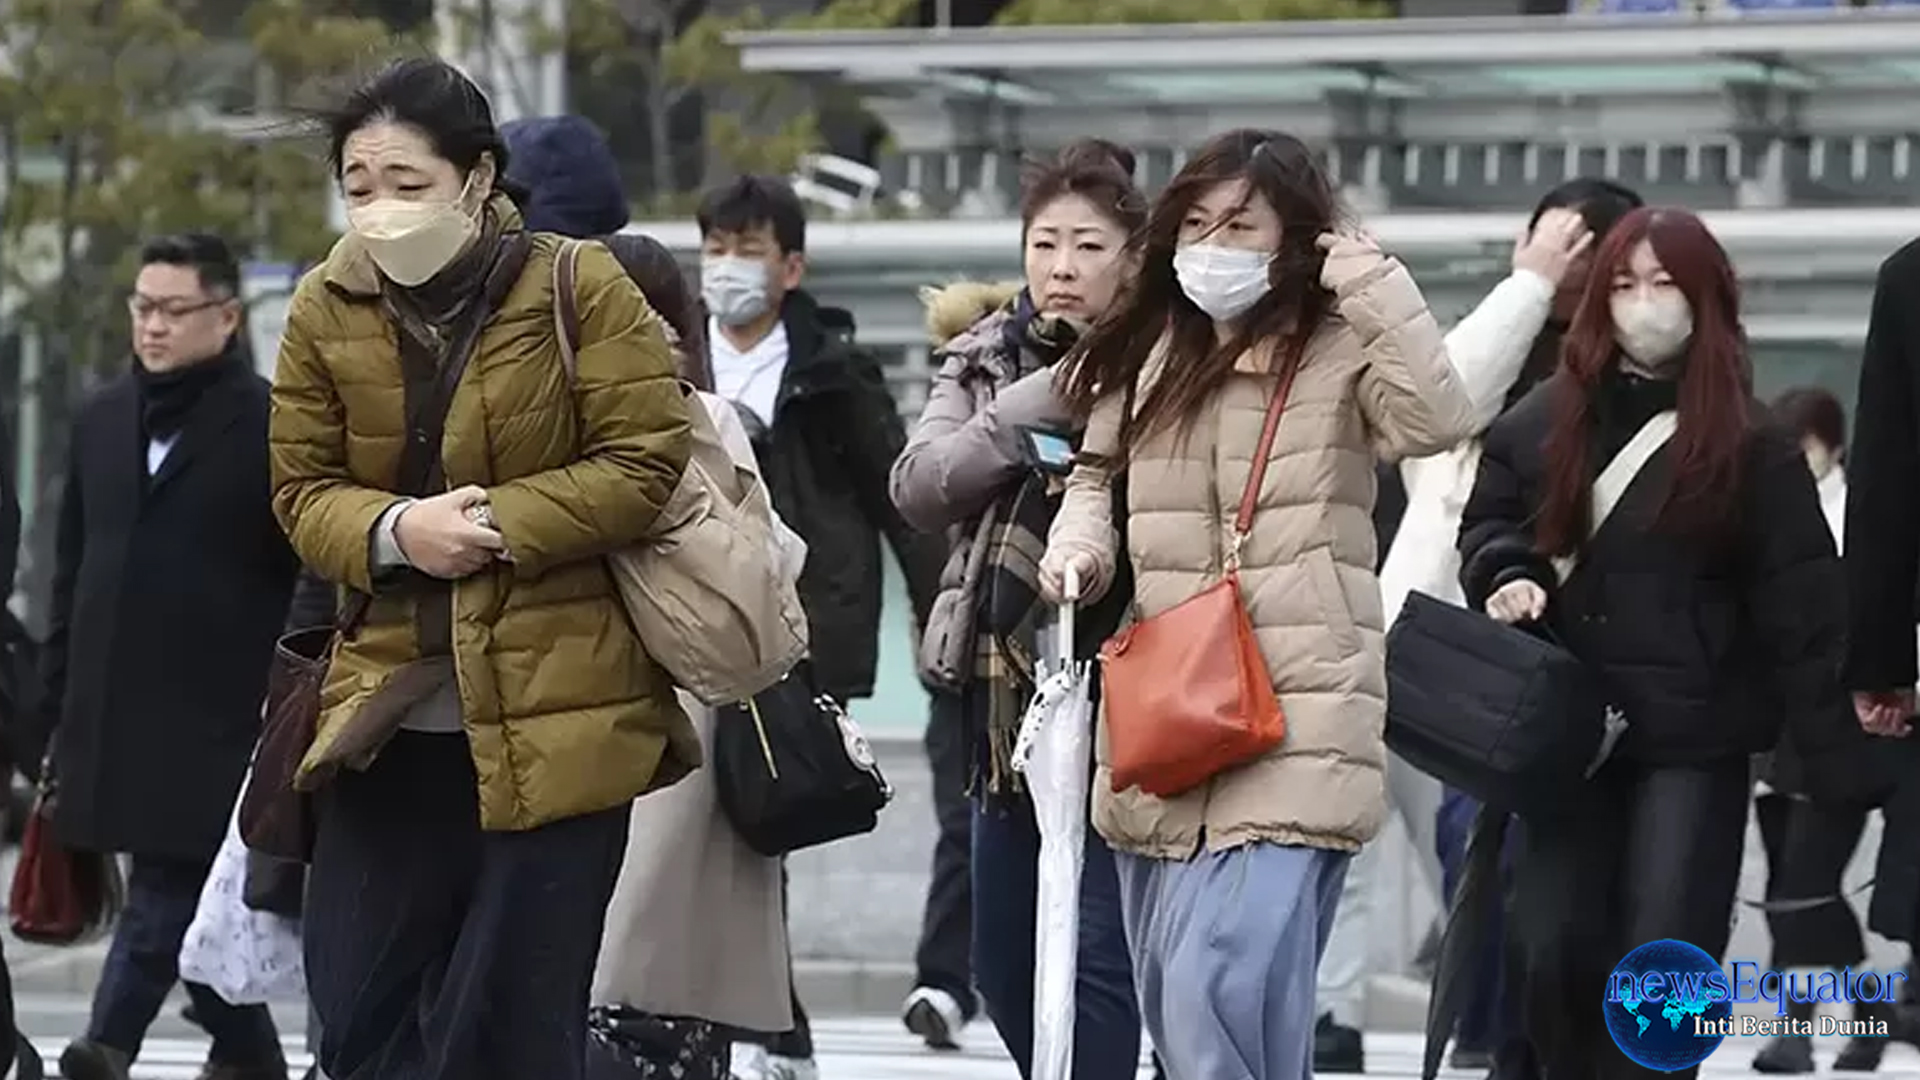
[(1375, 381)]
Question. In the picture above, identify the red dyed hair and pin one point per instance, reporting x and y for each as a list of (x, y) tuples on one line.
[(1716, 384)]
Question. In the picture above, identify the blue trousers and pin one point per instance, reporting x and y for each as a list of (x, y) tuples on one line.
[(1006, 856), (143, 964), (1490, 1017)]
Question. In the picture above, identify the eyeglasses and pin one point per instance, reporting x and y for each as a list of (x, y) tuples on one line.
[(145, 307)]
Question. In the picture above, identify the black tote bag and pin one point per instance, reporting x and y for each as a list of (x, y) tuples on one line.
[(1510, 718), (792, 771)]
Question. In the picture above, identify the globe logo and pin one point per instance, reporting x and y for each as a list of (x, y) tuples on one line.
[(1652, 1020)]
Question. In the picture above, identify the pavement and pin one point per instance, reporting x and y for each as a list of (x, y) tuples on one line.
[(850, 1047)]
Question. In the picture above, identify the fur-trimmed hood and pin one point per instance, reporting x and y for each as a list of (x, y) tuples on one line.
[(954, 309)]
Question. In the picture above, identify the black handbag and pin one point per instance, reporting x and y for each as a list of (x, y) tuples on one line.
[(793, 771), (1509, 717)]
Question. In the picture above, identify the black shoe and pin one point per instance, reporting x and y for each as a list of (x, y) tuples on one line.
[(1861, 1054), (1784, 1055), (1337, 1048), (935, 1016), (87, 1060), (1467, 1057)]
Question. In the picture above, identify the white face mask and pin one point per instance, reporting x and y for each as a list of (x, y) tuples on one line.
[(1223, 282), (412, 241), (1652, 330), (734, 288)]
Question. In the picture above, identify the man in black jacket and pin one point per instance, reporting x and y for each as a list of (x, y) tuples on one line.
[(170, 586), (826, 430)]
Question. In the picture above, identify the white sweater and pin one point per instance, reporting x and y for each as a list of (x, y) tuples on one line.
[(1488, 349)]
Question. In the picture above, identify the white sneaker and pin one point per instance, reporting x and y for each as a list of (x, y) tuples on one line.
[(934, 1016), (749, 1062), (786, 1068)]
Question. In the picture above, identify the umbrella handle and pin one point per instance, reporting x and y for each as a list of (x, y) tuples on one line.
[(1063, 626)]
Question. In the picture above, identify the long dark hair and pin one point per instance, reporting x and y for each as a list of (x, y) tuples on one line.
[(1715, 385), (1283, 171)]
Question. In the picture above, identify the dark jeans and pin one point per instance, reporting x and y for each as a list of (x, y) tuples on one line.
[(143, 964), (1006, 854), (438, 952), (943, 961), (1656, 856), (1490, 1016)]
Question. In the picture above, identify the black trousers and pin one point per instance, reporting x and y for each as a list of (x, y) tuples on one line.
[(943, 960), (1808, 846), (1656, 855), (435, 951)]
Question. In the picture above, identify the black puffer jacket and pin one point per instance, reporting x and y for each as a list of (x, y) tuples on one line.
[(826, 457), (1708, 647)]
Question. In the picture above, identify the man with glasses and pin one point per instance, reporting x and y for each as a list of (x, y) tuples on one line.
[(170, 585)]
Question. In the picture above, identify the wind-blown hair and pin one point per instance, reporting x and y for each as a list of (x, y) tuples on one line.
[(1113, 353), (1715, 384)]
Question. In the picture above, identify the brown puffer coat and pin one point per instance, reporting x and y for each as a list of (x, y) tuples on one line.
[(565, 711), (1375, 381)]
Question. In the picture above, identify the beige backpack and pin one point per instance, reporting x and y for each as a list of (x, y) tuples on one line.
[(714, 594)]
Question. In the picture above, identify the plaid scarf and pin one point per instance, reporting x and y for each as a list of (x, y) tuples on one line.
[(1010, 610)]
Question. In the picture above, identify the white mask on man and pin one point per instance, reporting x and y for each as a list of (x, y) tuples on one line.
[(1224, 282), (1653, 330), (734, 288)]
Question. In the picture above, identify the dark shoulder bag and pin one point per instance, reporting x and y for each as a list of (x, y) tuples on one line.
[(276, 819)]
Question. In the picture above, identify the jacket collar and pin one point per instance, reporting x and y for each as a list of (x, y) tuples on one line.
[(350, 271)]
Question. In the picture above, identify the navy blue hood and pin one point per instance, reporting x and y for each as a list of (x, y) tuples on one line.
[(567, 166)]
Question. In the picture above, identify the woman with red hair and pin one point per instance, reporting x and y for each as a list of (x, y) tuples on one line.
[(1641, 508)]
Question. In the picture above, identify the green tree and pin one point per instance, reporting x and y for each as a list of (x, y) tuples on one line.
[(1098, 12), (120, 119)]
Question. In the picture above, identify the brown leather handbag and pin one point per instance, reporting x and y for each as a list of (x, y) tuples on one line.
[(1186, 691)]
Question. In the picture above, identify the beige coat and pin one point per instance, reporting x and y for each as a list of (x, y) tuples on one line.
[(695, 927), (1375, 381)]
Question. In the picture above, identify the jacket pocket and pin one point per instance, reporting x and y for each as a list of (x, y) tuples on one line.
[(1334, 608)]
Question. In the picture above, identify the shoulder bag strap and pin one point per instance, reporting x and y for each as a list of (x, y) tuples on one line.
[(420, 454), (1613, 481), (566, 306), (1257, 472)]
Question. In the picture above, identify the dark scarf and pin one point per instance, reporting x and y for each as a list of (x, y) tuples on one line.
[(1543, 359), (428, 312), (1010, 609), (167, 398)]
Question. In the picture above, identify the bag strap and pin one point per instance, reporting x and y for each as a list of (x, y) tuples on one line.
[(1618, 476), (566, 306), (1257, 473)]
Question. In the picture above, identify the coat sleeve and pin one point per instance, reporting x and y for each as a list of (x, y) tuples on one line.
[(1794, 602), (1883, 472), (872, 440), (958, 458), (327, 514), (635, 436), (1084, 525), (1488, 349), (1496, 538), (1409, 393)]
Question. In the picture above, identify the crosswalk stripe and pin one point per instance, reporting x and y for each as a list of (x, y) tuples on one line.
[(877, 1048)]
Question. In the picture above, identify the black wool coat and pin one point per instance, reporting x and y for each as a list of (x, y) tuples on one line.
[(169, 593)]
